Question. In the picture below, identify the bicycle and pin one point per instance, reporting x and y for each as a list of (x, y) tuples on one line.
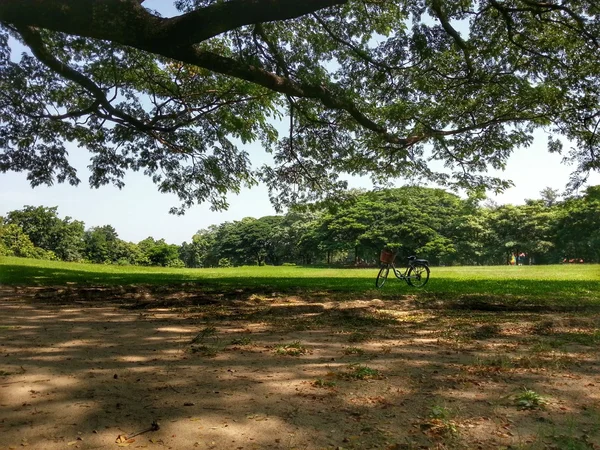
[(416, 273)]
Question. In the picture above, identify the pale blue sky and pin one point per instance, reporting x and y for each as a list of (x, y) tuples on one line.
[(139, 210)]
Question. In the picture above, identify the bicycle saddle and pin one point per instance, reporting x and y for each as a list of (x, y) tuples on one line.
[(421, 261)]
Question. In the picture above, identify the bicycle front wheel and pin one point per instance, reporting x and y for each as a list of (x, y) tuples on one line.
[(382, 276), (418, 276)]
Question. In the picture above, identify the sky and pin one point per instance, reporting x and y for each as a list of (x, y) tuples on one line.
[(139, 210)]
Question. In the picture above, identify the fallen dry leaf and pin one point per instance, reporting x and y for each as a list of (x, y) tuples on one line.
[(122, 440)]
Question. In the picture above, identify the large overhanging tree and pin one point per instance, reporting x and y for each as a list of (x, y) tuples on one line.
[(378, 87)]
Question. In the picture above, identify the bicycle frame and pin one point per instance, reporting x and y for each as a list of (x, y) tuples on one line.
[(398, 272), (416, 273)]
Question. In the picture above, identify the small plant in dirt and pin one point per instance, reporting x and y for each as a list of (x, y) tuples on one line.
[(205, 350), (358, 337), (200, 345), (541, 347), (360, 372), (440, 421), (499, 362), (321, 383), (486, 331), (564, 442), (293, 349), (582, 338), (529, 399), (543, 327), (354, 351), (245, 340), (441, 412), (549, 360), (203, 335)]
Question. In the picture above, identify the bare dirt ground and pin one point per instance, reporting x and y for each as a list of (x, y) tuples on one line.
[(90, 368)]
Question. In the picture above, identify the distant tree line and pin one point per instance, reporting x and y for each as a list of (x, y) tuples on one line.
[(38, 232), (430, 223)]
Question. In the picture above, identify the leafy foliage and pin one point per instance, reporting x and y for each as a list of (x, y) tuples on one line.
[(578, 227), (47, 231), (529, 399), (15, 242), (386, 89), (430, 223)]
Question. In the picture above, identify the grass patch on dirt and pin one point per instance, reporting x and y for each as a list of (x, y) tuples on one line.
[(354, 351), (360, 372), (292, 349), (529, 399)]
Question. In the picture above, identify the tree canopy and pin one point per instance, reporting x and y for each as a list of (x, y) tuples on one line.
[(431, 223), (386, 88)]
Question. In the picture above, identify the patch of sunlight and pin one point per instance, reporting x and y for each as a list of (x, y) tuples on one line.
[(134, 359), (175, 330), (77, 343)]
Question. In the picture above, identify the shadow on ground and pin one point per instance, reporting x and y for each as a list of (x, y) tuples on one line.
[(84, 368)]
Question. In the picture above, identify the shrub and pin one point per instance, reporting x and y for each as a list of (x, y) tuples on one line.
[(225, 262), (175, 263)]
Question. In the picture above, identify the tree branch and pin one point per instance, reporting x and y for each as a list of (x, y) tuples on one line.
[(231, 67), (34, 40), (204, 23), (539, 8), (358, 51), (436, 7), (260, 31), (128, 22), (122, 21), (509, 22)]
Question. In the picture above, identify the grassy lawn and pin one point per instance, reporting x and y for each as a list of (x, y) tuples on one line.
[(548, 285)]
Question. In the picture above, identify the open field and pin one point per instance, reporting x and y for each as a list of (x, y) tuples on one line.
[(262, 357), (574, 285)]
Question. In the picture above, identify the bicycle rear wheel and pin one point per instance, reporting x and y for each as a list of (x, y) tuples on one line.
[(418, 276), (382, 276)]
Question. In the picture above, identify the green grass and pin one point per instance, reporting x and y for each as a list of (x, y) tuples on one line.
[(321, 383), (293, 349), (528, 399), (547, 285), (354, 351), (245, 340), (360, 372)]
